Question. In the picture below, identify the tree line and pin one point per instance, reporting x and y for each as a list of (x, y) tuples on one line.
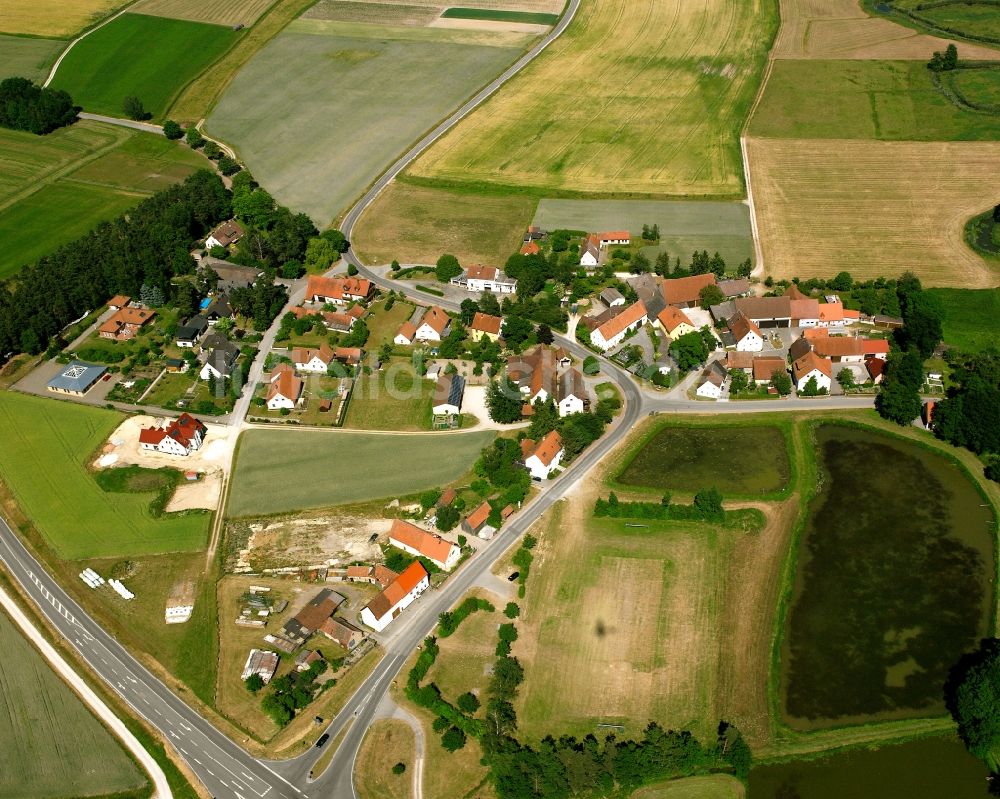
[(27, 106)]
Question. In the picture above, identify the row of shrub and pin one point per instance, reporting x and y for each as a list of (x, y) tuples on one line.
[(707, 507), (449, 621)]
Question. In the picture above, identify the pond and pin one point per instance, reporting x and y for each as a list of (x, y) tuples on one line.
[(892, 585), (737, 460), (931, 768)]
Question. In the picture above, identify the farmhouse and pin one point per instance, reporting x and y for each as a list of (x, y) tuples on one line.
[(219, 361), (485, 325), (181, 436), (612, 297), (535, 371), (740, 360), (476, 520), (314, 361), (191, 331), (766, 311), (284, 390), (535, 233), (76, 379), (396, 597), (262, 663), (590, 252), (125, 323), (308, 620), (338, 290), (485, 278), (711, 380), (685, 292), (343, 632), (734, 288), (799, 347), (812, 365), (448, 393), (764, 369), (224, 235), (410, 538), (434, 325), (542, 457), (847, 349), (876, 369), (350, 356), (674, 322), (649, 289), (571, 396), (614, 237), (746, 334), (614, 331), (339, 322)]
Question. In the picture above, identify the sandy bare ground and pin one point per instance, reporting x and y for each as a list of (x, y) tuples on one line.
[(489, 25), (839, 29), (215, 454), (204, 493), (873, 208)]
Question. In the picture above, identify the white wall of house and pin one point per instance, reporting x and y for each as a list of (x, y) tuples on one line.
[(538, 469), (598, 340), (314, 366), (381, 623), (279, 401), (446, 409), (751, 342), (208, 371), (495, 286), (170, 446), (453, 554), (588, 260), (402, 340), (427, 333), (570, 404), (822, 381), (709, 390)]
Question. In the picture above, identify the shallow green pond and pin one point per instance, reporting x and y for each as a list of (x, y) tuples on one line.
[(892, 585), (736, 460), (932, 768)]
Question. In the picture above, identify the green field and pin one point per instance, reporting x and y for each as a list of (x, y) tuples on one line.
[(55, 188), (714, 786), (51, 747), (284, 470), (393, 398), (978, 20), (45, 447), (979, 88), (151, 58), (691, 458), (971, 317), (351, 97), (888, 100), (685, 226), (27, 57), (531, 17)]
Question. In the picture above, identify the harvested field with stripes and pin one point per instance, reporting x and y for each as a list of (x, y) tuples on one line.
[(219, 12), (841, 29), (387, 11), (873, 208), (636, 97)]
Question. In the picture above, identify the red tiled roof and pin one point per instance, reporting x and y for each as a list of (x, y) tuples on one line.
[(301, 355), (478, 517), (384, 575), (685, 290), (531, 248), (436, 318), (804, 365), (397, 589), (841, 346), (671, 318), (408, 330), (359, 571), (120, 300), (338, 288), (479, 272), (427, 544), (486, 323), (804, 309), (764, 368), (617, 324), (152, 435), (545, 450), (741, 327), (284, 382), (614, 235)]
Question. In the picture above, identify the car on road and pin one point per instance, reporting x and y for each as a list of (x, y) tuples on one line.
[(322, 740)]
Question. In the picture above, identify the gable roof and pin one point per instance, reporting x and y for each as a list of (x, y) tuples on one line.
[(337, 287), (449, 390), (435, 318), (531, 248), (799, 347), (764, 368), (742, 327), (612, 235), (764, 307), (617, 324), (714, 373), (285, 382), (427, 544), (545, 450), (610, 295), (478, 517), (407, 330), (804, 365), (671, 318), (340, 630), (397, 589), (842, 346), (384, 575), (486, 323), (734, 287), (739, 359), (303, 355), (571, 385), (804, 309), (793, 292), (685, 290), (480, 272), (227, 232)]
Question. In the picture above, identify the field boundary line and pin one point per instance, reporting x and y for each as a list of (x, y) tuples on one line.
[(80, 38), (88, 696)]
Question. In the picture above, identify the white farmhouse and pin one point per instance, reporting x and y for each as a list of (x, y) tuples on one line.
[(613, 332), (711, 380), (809, 366), (410, 538), (396, 597), (747, 334), (485, 278), (181, 436), (541, 457)]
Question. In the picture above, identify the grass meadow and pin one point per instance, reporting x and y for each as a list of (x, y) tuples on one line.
[(52, 746), (975, 19), (61, 498), (57, 187), (887, 100), (373, 406), (149, 57), (53, 18), (342, 467), (531, 17), (712, 786), (27, 57), (387, 742), (971, 317), (873, 208), (635, 97), (330, 88), (219, 12)]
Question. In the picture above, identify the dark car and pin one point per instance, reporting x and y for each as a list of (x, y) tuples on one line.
[(322, 740), (374, 537), (513, 576)]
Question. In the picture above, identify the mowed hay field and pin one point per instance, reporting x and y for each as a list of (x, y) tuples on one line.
[(27, 57), (284, 470), (57, 187), (873, 208), (644, 96), (50, 745), (350, 97), (220, 12), (841, 29), (76, 517), (713, 786), (387, 742), (56, 18), (151, 58), (417, 224)]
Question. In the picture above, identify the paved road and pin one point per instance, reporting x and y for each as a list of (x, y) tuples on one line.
[(146, 127)]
